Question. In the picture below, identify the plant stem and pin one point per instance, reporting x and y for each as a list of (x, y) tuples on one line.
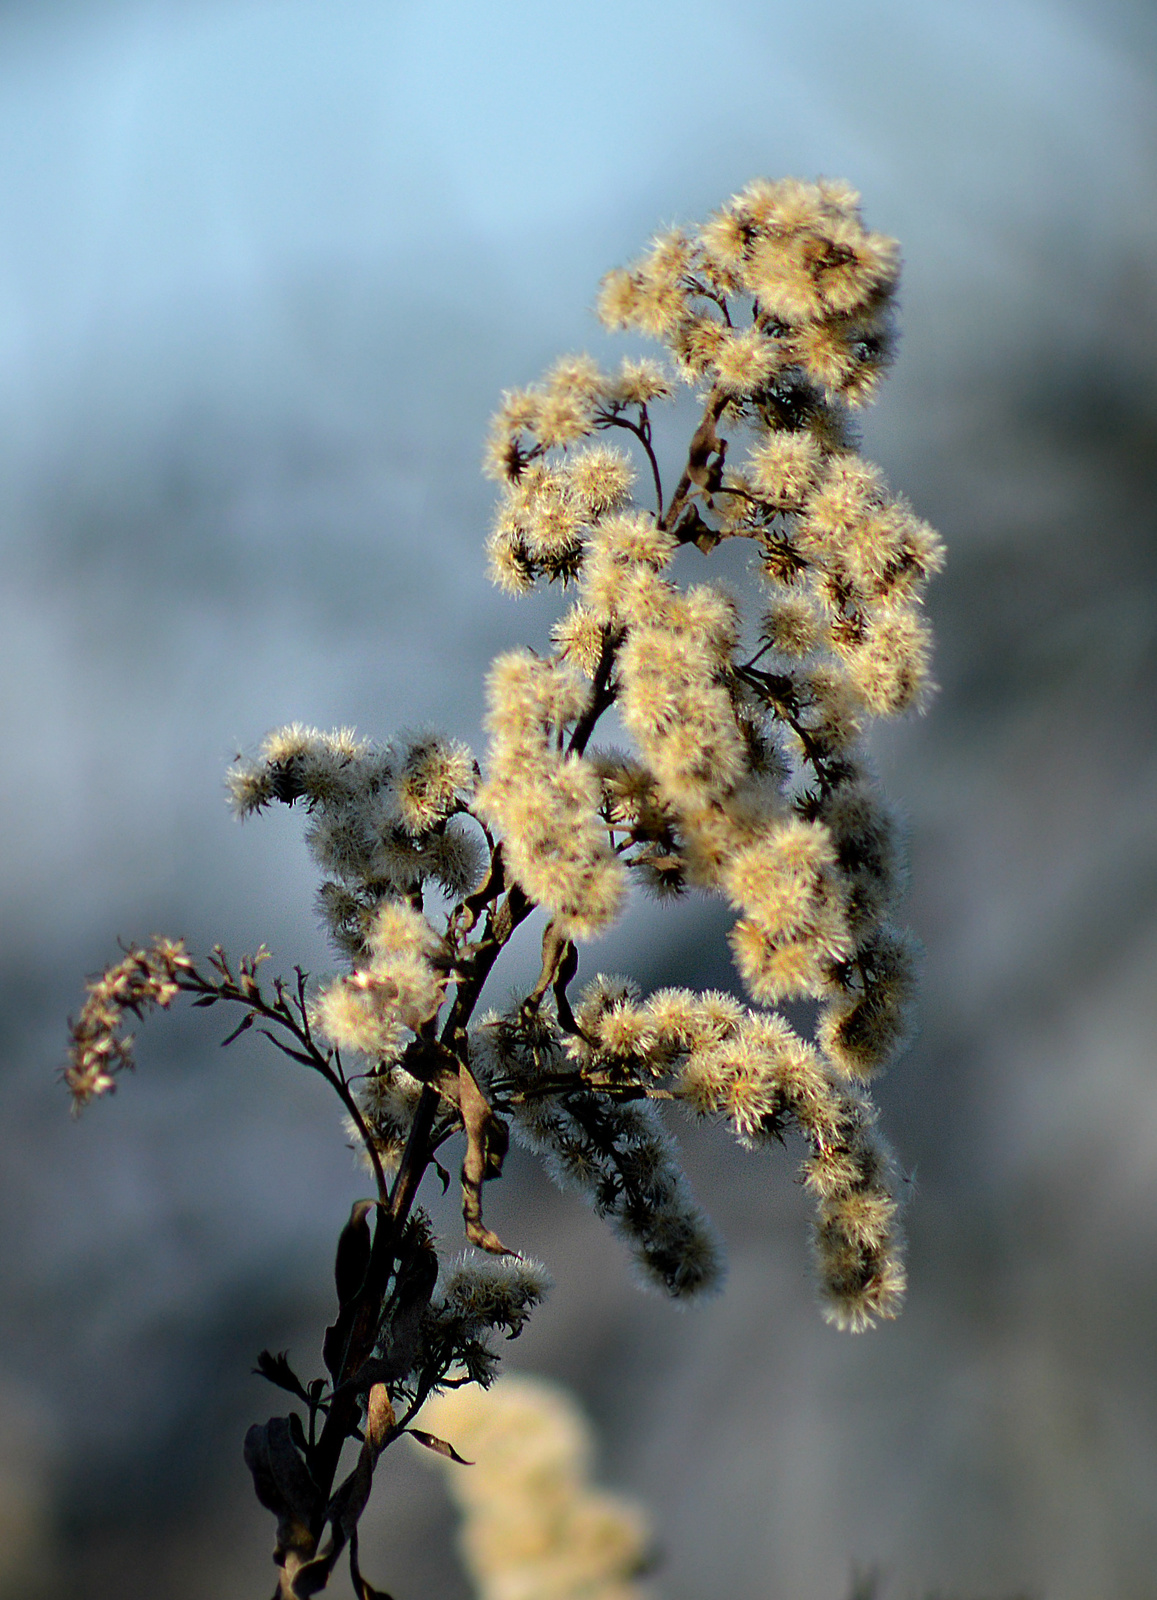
[(345, 1412)]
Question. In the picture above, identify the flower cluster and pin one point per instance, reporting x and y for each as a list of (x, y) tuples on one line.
[(722, 1060), (383, 825), (545, 800), (381, 821), (822, 287), (478, 1295), (748, 779), (144, 979), (392, 991), (614, 1150)]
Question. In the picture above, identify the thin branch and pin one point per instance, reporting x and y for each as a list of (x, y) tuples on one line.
[(345, 1410), (780, 689), (603, 692), (642, 432), (246, 991)]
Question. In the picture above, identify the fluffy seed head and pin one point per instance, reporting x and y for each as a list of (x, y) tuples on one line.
[(433, 775)]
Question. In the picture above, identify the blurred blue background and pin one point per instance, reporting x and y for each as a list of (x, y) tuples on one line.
[(264, 271)]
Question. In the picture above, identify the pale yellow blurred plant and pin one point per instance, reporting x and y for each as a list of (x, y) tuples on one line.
[(744, 778), (534, 1527)]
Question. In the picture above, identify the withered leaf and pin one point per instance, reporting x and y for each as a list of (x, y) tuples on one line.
[(286, 1050), (366, 1591), (487, 1138), (380, 1416), (440, 1446), (311, 1577), (333, 1344), (353, 1252), (283, 1484), (350, 1498), (363, 1588), (276, 1369), (247, 1021)]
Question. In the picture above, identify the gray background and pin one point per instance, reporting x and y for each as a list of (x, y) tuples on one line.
[(264, 270)]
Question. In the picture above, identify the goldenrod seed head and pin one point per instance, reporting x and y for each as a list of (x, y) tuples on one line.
[(578, 636), (639, 382), (601, 478)]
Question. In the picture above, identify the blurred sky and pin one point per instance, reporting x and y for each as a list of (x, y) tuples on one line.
[(264, 272)]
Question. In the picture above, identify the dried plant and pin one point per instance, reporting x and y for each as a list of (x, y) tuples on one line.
[(745, 778)]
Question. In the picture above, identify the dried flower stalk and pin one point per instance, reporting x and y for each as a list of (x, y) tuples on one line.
[(747, 780)]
